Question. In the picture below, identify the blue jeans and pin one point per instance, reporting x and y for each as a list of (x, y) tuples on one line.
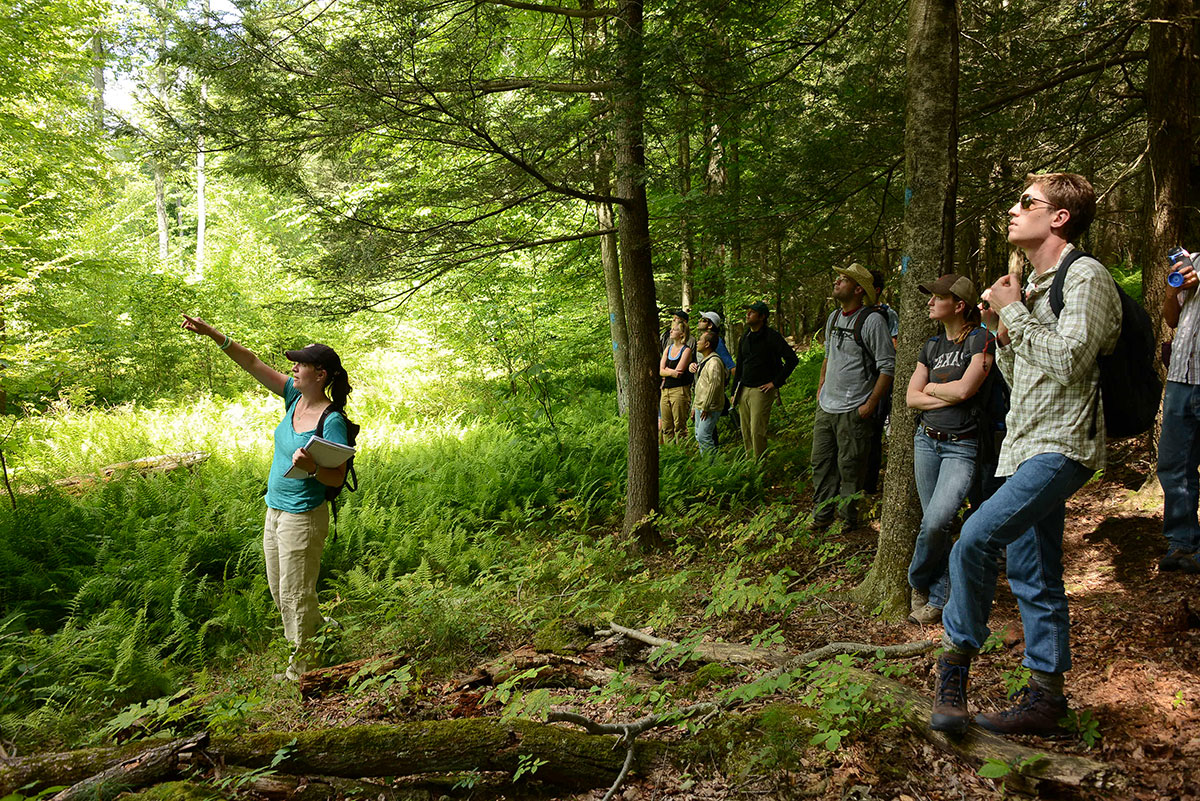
[(1026, 515), (706, 430), (1178, 459), (944, 472)]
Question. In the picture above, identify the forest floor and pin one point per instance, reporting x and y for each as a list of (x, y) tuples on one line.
[(1135, 679)]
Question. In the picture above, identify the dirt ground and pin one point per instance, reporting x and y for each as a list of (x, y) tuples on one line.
[(1136, 674), (1136, 669)]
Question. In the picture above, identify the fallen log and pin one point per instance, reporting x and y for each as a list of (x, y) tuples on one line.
[(149, 767), (279, 787), (323, 681), (976, 747), (571, 759), (724, 652), (63, 768), (553, 670), (146, 464), (979, 745)]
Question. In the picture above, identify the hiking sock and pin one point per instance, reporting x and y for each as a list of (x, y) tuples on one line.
[(969, 653), (1050, 682)]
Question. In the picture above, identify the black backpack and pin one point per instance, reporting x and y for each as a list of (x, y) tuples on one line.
[(868, 358), (1129, 382), (350, 481)]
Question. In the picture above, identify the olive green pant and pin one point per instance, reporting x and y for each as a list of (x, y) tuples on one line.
[(840, 446)]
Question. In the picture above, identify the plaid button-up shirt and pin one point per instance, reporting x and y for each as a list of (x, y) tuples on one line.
[(1050, 363)]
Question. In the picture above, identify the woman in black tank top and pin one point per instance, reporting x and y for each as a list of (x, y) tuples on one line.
[(675, 397)]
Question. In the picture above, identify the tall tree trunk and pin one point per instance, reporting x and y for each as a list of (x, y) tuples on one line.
[(609, 258), (687, 256), (1169, 86), (201, 176), (637, 280), (160, 208), (931, 172), (617, 326), (98, 79)]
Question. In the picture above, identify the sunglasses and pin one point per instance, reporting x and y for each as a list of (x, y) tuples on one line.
[(1028, 200)]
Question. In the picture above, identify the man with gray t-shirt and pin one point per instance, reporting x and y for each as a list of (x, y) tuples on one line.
[(856, 375)]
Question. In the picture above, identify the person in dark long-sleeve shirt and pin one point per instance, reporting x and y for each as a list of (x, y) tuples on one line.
[(764, 362)]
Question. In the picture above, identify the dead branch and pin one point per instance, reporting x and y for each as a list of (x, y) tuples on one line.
[(628, 732), (745, 654)]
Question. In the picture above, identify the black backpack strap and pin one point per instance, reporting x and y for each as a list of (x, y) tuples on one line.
[(1056, 306), (1060, 280), (867, 356)]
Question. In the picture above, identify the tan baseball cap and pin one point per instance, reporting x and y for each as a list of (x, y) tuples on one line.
[(951, 284)]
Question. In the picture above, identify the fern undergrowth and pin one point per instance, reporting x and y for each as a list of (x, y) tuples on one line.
[(473, 526)]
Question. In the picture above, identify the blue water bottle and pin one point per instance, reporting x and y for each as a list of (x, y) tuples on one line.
[(1175, 254)]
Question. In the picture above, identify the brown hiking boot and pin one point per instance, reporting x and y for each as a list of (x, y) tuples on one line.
[(950, 698), (919, 600), (1034, 711), (927, 615)]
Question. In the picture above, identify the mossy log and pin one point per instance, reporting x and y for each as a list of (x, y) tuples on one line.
[(571, 759), (180, 791), (149, 767), (281, 787), (40, 771)]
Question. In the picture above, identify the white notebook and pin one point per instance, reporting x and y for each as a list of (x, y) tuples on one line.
[(324, 453)]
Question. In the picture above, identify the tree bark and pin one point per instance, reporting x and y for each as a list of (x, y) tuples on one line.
[(931, 172), (602, 164), (637, 281), (687, 255), (160, 209), (202, 176), (1169, 87), (98, 79)]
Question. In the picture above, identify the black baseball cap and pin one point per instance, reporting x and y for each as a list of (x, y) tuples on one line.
[(316, 353), (758, 306)]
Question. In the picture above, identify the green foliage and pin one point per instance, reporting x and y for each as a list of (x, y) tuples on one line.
[(1084, 725), (1015, 679), (845, 705)]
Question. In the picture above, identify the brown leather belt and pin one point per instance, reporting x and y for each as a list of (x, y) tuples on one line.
[(942, 436)]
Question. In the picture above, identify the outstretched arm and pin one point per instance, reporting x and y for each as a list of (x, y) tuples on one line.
[(244, 358)]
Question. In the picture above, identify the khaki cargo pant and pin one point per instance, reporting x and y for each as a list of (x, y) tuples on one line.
[(754, 413), (292, 544)]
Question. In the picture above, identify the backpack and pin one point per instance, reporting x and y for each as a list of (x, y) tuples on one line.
[(990, 413), (868, 358), (1129, 383), (350, 481)]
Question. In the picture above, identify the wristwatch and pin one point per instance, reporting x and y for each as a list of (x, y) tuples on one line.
[(313, 474)]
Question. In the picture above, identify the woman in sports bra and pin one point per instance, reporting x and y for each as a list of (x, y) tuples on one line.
[(944, 390)]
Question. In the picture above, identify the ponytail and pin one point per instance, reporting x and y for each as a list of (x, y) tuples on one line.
[(339, 389)]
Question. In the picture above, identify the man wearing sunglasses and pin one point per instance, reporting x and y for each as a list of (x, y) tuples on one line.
[(1050, 451)]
